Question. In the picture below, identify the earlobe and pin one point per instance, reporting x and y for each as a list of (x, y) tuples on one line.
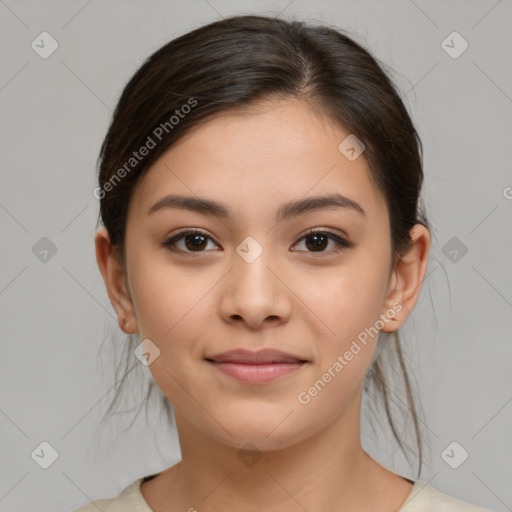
[(407, 277), (115, 282)]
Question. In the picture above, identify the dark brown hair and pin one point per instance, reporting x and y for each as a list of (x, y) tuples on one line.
[(234, 63)]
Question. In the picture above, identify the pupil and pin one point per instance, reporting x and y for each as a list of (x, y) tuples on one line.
[(317, 244), (197, 244)]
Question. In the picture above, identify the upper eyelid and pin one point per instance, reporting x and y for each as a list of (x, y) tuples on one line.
[(191, 231), (326, 230)]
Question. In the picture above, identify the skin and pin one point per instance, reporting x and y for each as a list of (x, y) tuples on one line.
[(195, 304)]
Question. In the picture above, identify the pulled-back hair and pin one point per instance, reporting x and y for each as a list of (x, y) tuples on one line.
[(234, 63)]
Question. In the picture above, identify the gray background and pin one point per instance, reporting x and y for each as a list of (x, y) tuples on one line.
[(55, 314)]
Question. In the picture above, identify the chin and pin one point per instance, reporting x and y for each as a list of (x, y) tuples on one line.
[(262, 435)]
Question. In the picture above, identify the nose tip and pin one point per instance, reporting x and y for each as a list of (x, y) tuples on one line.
[(254, 294)]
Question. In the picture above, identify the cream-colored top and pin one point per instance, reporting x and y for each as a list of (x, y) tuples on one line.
[(423, 498)]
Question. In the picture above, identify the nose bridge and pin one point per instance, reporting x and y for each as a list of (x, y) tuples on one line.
[(251, 262), (253, 292)]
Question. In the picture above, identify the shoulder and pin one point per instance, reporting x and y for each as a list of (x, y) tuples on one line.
[(93, 506), (130, 499), (425, 498)]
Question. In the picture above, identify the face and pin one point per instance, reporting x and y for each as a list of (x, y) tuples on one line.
[(252, 280)]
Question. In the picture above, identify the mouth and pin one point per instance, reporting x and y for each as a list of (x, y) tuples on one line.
[(256, 367)]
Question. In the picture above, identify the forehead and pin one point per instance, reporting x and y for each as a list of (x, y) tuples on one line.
[(272, 153)]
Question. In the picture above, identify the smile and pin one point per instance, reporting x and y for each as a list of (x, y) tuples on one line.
[(257, 373)]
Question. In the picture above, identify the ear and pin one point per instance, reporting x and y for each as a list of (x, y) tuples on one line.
[(406, 278), (115, 282)]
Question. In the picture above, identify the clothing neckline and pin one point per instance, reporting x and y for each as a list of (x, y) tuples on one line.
[(137, 493)]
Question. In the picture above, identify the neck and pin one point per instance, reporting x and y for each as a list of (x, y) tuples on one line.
[(326, 471)]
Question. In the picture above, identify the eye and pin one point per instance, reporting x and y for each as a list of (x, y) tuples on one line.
[(318, 240), (194, 241)]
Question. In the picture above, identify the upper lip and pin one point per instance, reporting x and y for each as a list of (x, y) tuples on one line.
[(264, 356)]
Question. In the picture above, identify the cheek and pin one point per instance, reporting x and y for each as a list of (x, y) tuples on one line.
[(175, 312), (175, 308), (163, 295), (350, 306), (344, 301)]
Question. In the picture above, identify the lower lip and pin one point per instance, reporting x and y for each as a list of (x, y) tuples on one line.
[(257, 373)]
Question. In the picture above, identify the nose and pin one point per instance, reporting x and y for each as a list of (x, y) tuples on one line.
[(255, 293)]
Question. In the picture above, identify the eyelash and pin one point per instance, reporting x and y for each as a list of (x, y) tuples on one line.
[(342, 243)]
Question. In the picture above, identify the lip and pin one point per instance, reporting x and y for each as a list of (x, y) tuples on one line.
[(264, 356), (256, 367)]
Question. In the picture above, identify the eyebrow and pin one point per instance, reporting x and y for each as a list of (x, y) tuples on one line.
[(286, 211)]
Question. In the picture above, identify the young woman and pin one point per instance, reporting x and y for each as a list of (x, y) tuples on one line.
[(259, 189)]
